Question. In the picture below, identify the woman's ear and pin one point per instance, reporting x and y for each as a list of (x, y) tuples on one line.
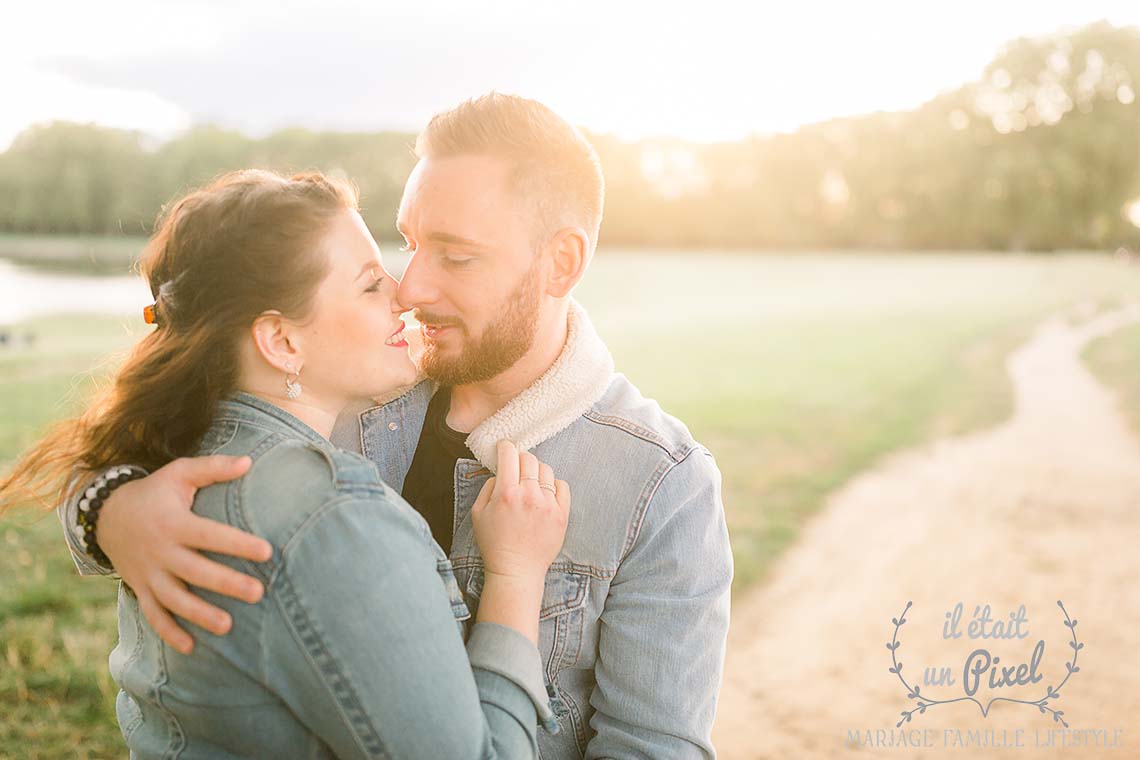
[(570, 253), (276, 341)]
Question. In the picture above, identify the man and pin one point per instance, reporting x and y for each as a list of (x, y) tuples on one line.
[(501, 217)]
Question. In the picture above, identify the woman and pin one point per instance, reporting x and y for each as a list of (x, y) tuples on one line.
[(273, 313)]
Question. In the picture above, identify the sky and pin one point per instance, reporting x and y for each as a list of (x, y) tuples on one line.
[(706, 71)]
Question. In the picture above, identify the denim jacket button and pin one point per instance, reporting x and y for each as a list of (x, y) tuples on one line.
[(393, 426)]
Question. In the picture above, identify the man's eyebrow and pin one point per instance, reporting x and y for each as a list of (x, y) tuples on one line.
[(447, 237)]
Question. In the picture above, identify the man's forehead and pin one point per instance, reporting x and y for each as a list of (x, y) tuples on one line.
[(461, 197)]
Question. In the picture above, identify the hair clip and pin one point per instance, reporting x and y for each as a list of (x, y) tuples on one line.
[(150, 316)]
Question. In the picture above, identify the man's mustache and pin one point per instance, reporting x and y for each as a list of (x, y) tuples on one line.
[(435, 320)]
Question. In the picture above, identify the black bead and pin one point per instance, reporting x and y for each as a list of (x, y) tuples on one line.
[(95, 504), (103, 492), (123, 478)]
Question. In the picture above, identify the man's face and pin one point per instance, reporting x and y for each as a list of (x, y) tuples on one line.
[(474, 279)]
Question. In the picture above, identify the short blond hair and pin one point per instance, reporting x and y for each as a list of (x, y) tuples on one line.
[(554, 164)]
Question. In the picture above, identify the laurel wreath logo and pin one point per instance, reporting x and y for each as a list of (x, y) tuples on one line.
[(923, 702)]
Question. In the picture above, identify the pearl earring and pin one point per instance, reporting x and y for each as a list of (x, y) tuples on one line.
[(292, 382)]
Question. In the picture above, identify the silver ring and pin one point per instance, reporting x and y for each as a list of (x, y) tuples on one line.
[(548, 487)]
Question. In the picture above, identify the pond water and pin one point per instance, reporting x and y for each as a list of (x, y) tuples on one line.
[(26, 292)]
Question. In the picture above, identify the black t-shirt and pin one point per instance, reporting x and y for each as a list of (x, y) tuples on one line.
[(430, 483)]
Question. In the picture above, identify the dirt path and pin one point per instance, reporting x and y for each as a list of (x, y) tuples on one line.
[(1044, 508)]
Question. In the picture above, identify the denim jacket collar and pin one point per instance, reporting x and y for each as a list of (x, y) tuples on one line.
[(574, 383), (249, 408)]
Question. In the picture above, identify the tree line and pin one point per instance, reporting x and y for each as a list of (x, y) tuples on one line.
[(1041, 153)]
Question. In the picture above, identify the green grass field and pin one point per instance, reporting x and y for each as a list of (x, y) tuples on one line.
[(1115, 360), (797, 371)]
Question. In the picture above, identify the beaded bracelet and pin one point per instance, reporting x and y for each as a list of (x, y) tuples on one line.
[(92, 502)]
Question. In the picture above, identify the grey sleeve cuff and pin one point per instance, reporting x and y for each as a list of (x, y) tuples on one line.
[(68, 513), (502, 650)]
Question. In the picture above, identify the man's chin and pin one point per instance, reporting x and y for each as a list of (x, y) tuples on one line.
[(434, 360)]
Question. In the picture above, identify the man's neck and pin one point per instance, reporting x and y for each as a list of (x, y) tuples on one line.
[(472, 404)]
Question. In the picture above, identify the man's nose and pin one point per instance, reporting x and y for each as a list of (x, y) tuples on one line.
[(415, 287)]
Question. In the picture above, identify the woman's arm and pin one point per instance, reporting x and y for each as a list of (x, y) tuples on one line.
[(363, 646)]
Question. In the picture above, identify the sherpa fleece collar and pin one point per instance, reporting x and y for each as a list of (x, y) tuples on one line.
[(577, 379)]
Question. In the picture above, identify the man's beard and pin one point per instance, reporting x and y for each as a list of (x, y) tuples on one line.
[(503, 342)]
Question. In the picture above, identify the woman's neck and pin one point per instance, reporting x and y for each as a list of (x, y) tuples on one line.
[(321, 417)]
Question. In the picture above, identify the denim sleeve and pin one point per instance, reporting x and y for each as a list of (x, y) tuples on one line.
[(364, 648), (68, 513), (661, 642)]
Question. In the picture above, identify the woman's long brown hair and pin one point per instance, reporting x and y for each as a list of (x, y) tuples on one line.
[(244, 244)]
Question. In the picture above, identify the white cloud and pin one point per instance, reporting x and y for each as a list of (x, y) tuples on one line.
[(46, 96), (716, 69)]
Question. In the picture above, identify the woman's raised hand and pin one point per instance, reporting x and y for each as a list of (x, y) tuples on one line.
[(520, 516)]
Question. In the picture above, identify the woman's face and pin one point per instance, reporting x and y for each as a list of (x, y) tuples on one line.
[(352, 343)]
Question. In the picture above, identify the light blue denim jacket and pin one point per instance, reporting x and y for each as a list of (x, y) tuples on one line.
[(356, 649), (636, 607)]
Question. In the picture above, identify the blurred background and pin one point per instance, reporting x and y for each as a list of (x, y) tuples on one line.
[(874, 207)]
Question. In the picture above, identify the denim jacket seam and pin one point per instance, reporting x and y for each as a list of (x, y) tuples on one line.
[(288, 542), (650, 491), (556, 651), (575, 719), (676, 453), (269, 431), (469, 561), (637, 519), (307, 635), (274, 429), (235, 504), (581, 636), (556, 665), (233, 433), (581, 594), (177, 736), (458, 605), (235, 509)]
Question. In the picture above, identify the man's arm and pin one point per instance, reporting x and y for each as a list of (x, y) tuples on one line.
[(68, 513), (147, 529), (662, 637)]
